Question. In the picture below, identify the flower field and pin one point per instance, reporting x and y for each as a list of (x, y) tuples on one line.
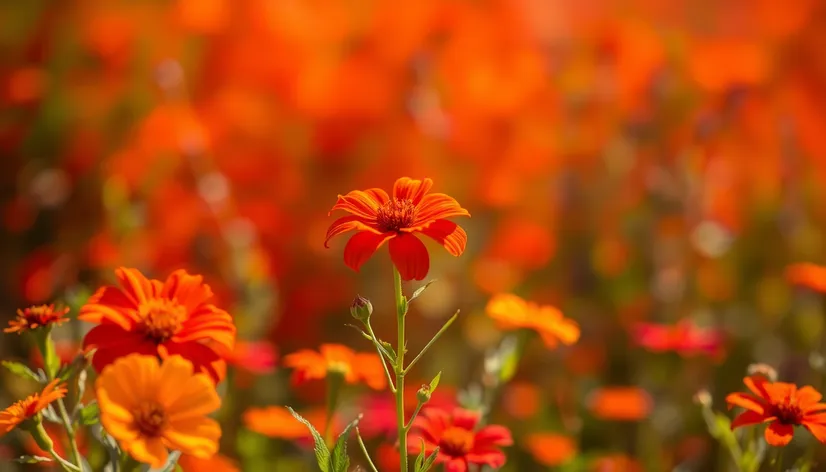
[(445, 235)]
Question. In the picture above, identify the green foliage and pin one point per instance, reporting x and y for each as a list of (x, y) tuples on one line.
[(419, 291), (425, 462), (21, 370), (89, 414), (322, 453), (339, 461)]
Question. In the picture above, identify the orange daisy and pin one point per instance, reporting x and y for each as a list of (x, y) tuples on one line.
[(160, 319), (149, 407), (550, 449), (783, 406), (378, 219), (807, 275), (620, 403), (30, 406), (511, 312), (216, 463), (356, 367), (278, 422), (34, 317)]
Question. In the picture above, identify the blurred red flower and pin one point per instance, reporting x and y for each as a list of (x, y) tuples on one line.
[(356, 367), (685, 338)]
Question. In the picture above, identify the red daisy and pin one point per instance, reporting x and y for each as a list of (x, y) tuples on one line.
[(460, 443), (377, 218)]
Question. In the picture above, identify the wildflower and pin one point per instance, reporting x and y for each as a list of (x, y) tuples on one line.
[(511, 312), (685, 338), (216, 463), (159, 319), (338, 359), (30, 406), (34, 317), (783, 406), (149, 407), (378, 219), (806, 274), (616, 463), (620, 403), (550, 449), (460, 443), (278, 422)]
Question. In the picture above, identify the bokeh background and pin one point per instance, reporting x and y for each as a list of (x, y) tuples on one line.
[(627, 161)]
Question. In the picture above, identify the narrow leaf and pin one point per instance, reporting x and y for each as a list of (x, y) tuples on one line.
[(417, 466), (21, 370), (428, 463), (435, 382), (322, 453), (340, 461), (419, 291)]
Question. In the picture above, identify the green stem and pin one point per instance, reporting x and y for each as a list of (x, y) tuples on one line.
[(400, 315), (381, 355), (413, 416), (70, 431), (432, 341), (45, 442), (366, 454), (334, 381)]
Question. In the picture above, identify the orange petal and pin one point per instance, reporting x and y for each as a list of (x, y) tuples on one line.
[(188, 290), (747, 418), (196, 436), (818, 431), (406, 188), (437, 206), (345, 224), (807, 396), (362, 246), (757, 384), (134, 284), (359, 203), (148, 450), (448, 234), (410, 257), (747, 401), (778, 434)]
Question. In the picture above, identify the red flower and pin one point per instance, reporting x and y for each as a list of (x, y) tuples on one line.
[(160, 319), (459, 443), (685, 338), (783, 406), (34, 317), (378, 219)]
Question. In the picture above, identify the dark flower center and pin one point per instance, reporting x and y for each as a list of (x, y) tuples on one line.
[(161, 319), (395, 215), (788, 413), (456, 441), (150, 418)]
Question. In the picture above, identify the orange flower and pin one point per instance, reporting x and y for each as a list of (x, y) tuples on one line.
[(356, 367), (216, 463), (377, 218), (35, 317), (159, 319), (808, 275), (620, 403), (149, 407), (511, 312), (278, 422), (616, 463), (783, 406), (30, 406), (550, 449)]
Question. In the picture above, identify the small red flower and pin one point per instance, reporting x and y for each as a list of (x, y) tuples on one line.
[(783, 406), (459, 442), (685, 338), (34, 317), (378, 219)]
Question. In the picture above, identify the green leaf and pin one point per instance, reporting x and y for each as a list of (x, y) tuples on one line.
[(417, 466), (419, 291), (435, 382), (389, 351), (340, 461), (32, 459), (428, 463), (21, 370), (322, 454), (89, 414)]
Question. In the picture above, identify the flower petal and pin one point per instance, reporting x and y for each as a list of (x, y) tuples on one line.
[(203, 358), (110, 303), (747, 401), (189, 290), (456, 464), (448, 234), (493, 435), (490, 457), (196, 436), (406, 188), (410, 256), (747, 418), (818, 431), (437, 206), (778, 434), (360, 203), (148, 450), (362, 246), (757, 384), (345, 224), (128, 343), (135, 285), (466, 419), (807, 396)]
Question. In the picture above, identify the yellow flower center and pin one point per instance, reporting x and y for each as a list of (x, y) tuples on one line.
[(456, 441), (395, 215), (161, 319), (338, 367), (150, 418)]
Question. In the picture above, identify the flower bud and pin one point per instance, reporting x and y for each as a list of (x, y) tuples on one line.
[(763, 369), (361, 308), (703, 398), (423, 394)]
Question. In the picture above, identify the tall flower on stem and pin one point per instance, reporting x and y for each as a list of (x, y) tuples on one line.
[(30, 407), (377, 218), (158, 318), (35, 317), (782, 406)]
